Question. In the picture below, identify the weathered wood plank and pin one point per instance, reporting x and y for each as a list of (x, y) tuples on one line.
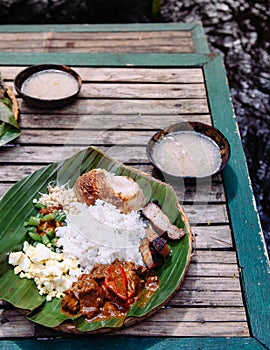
[(206, 214), (131, 106), (78, 136), (219, 329), (121, 41), (149, 90), (213, 270), (15, 173), (203, 314), (134, 90), (201, 192), (83, 137), (92, 121), (21, 45), (112, 49), (213, 237), (101, 42), (102, 36), (154, 75), (176, 324), (14, 324), (188, 48), (206, 298), (51, 154), (130, 41), (184, 316), (5, 37), (214, 284), (183, 44), (216, 257), (34, 155), (138, 35)]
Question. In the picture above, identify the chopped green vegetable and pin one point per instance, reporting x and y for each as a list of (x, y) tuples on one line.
[(39, 205), (61, 217), (31, 229), (45, 239), (48, 217), (34, 221), (36, 237), (50, 233)]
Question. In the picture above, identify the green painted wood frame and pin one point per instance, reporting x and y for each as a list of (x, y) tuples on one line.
[(198, 35), (247, 233)]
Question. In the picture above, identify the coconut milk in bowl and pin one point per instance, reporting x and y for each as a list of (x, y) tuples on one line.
[(48, 86), (189, 150)]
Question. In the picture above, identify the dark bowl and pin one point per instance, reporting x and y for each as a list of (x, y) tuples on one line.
[(201, 128), (46, 103)]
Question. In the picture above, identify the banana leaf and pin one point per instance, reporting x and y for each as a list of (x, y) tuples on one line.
[(9, 128), (16, 206)]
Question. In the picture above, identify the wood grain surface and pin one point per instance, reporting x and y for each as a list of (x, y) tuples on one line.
[(118, 110), (130, 42)]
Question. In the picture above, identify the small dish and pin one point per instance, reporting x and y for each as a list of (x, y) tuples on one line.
[(189, 150), (48, 85)]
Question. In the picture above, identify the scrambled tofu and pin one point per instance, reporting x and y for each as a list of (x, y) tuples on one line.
[(52, 272)]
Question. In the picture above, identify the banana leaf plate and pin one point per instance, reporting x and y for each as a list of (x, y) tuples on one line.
[(16, 206)]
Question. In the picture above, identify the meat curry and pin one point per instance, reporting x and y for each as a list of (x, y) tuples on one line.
[(109, 290)]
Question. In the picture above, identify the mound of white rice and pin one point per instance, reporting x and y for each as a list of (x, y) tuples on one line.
[(96, 234)]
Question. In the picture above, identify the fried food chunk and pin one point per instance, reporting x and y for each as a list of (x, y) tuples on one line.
[(161, 222), (121, 191)]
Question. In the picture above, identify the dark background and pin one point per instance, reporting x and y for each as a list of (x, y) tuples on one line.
[(238, 30)]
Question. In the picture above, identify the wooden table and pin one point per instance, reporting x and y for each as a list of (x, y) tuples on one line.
[(137, 79)]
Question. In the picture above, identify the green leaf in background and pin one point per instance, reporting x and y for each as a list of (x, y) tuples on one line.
[(9, 128), (16, 206)]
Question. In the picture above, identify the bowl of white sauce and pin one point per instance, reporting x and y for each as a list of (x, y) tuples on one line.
[(48, 85), (189, 150)]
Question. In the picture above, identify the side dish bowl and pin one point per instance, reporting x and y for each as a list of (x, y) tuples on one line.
[(48, 85), (189, 150)]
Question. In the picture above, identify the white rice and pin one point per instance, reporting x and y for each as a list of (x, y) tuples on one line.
[(96, 234)]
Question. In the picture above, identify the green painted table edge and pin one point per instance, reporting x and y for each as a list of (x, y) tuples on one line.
[(196, 29), (134, 344), (251, 251)]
